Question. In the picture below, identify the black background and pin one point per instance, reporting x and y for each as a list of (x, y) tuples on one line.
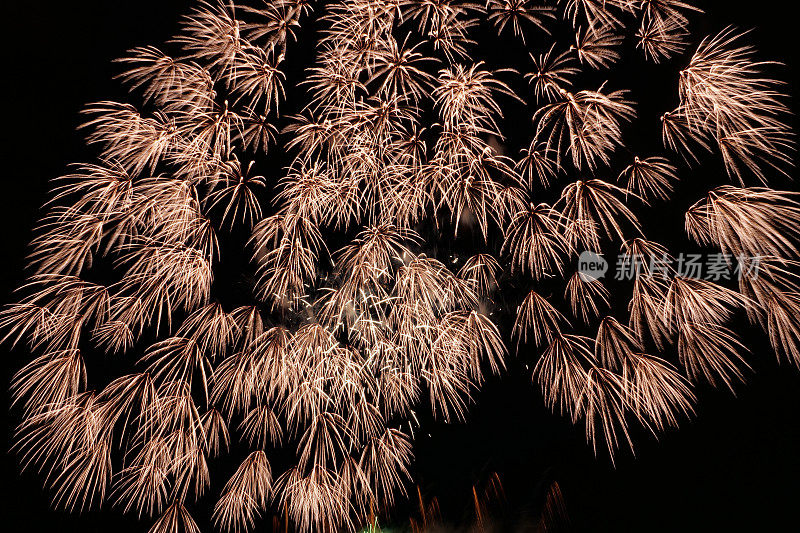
[(735, 467)]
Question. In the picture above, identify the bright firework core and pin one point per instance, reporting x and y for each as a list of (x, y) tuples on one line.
[(395, 232)]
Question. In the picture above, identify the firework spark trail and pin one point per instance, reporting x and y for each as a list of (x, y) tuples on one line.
[(340, 346), (725, 96)]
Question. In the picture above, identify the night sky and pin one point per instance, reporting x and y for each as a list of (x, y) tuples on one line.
[(734, 467)]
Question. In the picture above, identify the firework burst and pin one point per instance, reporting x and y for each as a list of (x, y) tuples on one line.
[(355, 208)]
